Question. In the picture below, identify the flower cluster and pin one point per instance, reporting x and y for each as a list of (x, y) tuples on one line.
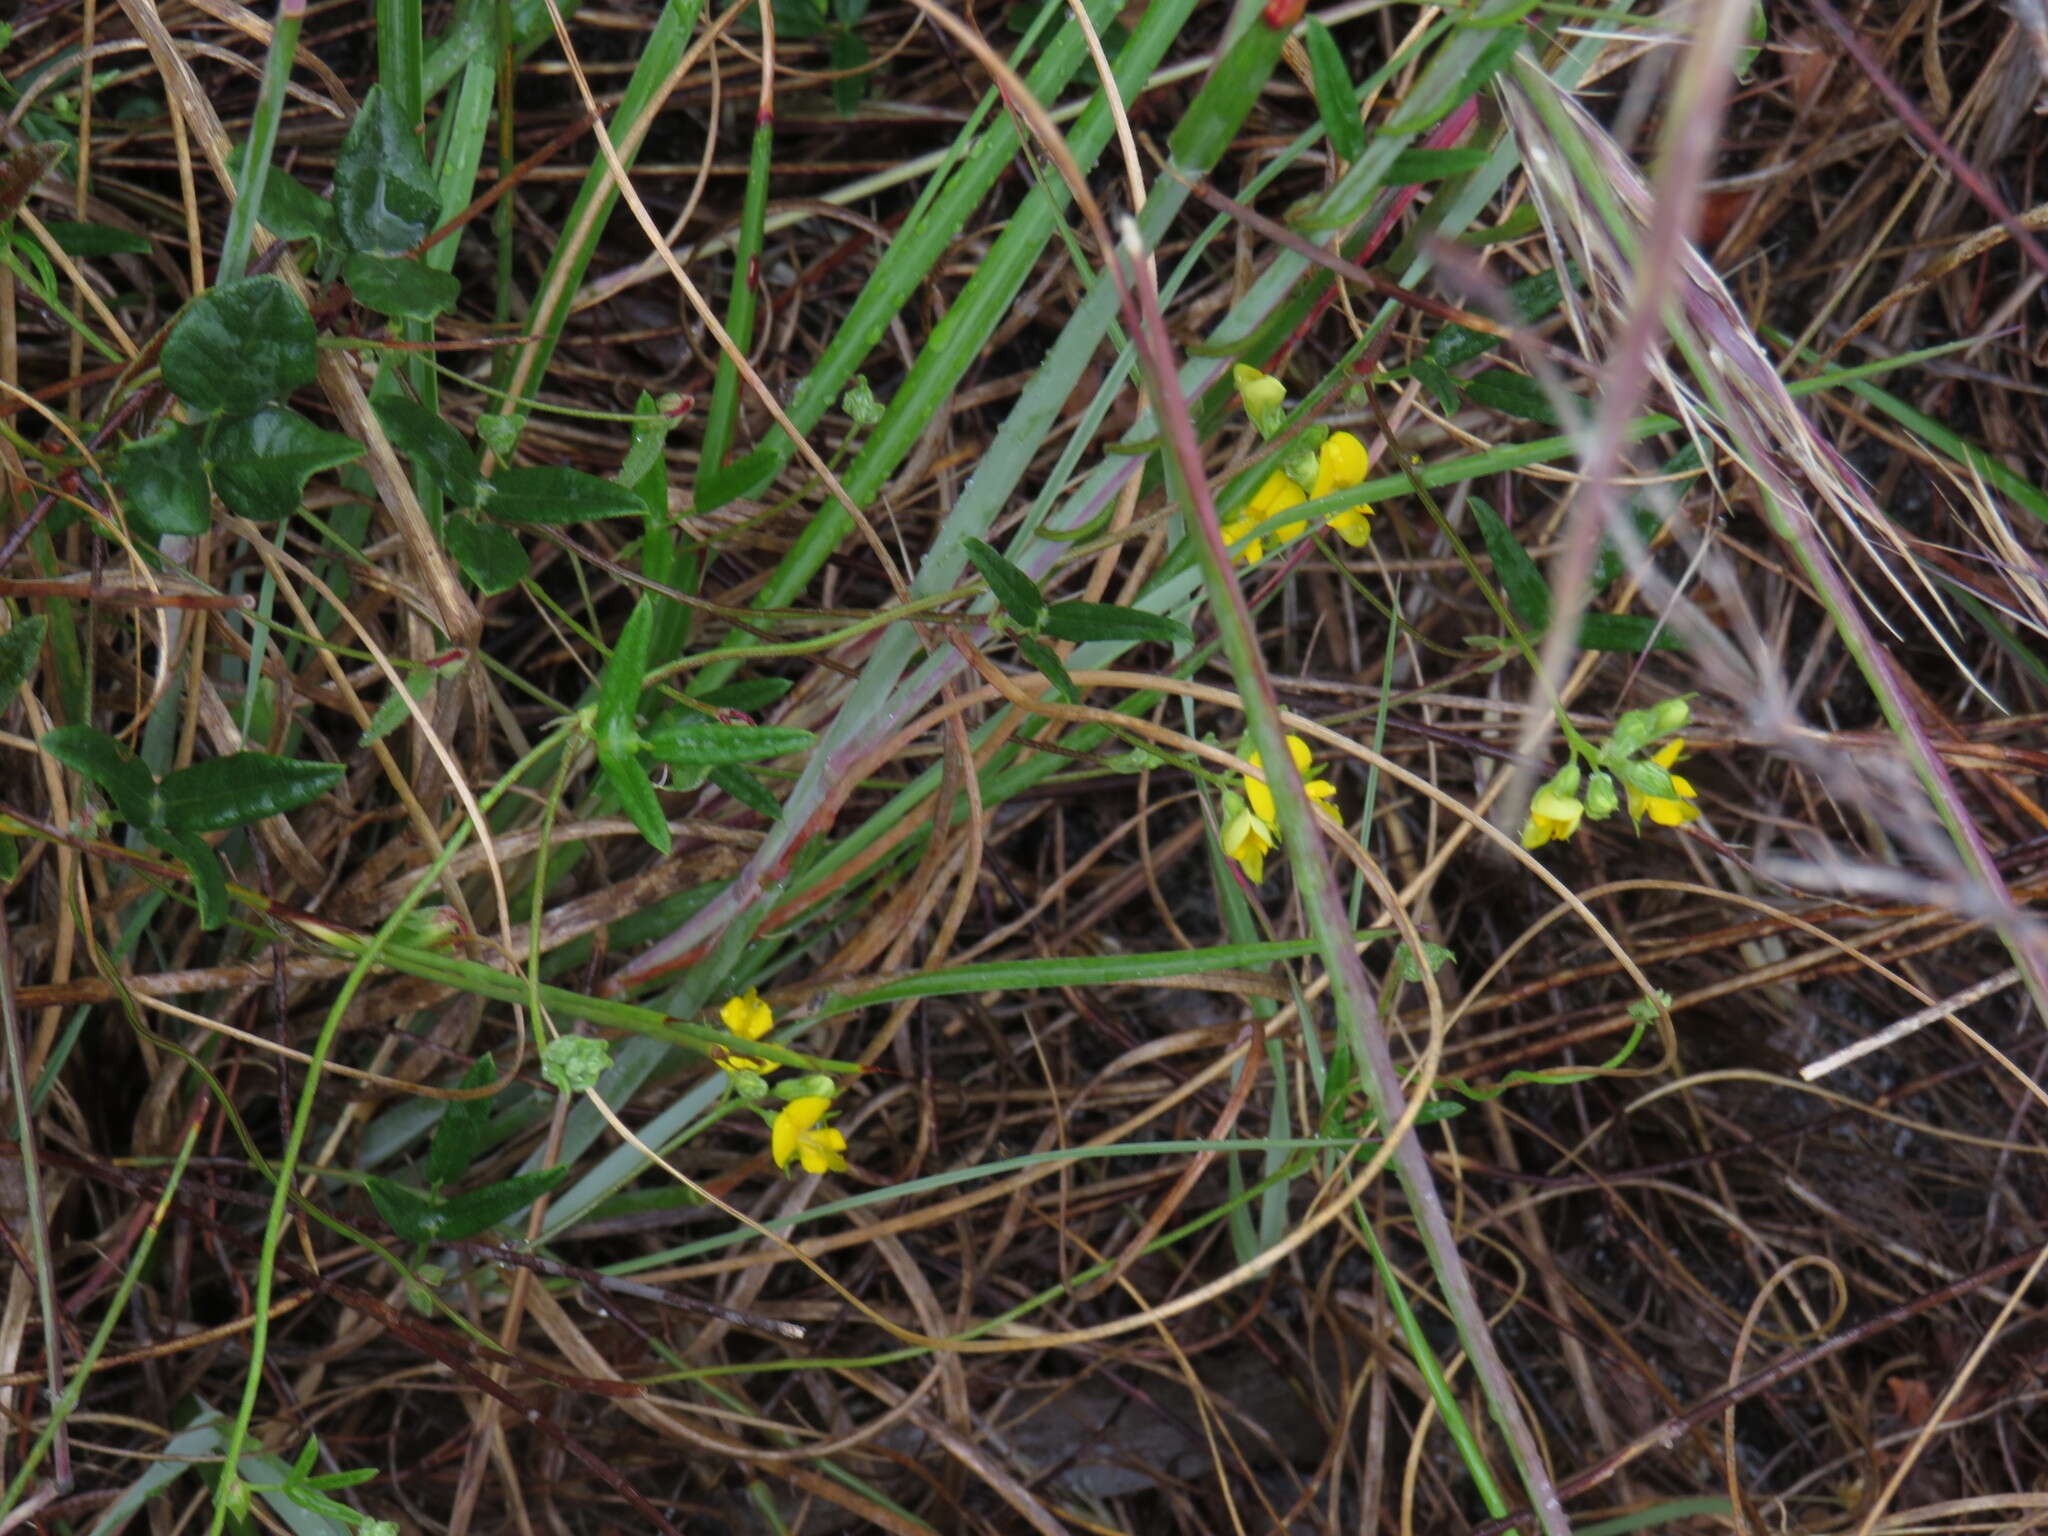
[(797, 1131), (1251, 821), (1338, 462), (1653, 789)]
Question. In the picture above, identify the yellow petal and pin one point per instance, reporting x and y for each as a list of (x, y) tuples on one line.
[(747, 1016), (1298, 750), (1276, 495), (1340, 464), (1354, 525)]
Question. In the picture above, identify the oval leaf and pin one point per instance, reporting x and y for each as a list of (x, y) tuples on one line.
[(1512, 394), (490, 556), (1336, 97), (695, 742), (240, 346), (19, 649), (384, 193), (92, 754), (466, 1215), (459, 1133), (261, 463), (552, 494), (1106, 621), (232, 791), (624, 676), (1017, 593), (435, 447), (164, 479), (1528, 593), (400, 287), (1047, 660), (748, 790), (291, 210)]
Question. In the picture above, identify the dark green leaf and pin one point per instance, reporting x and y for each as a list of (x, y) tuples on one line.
[(76, 239), (1630, 632), (850, 57), (460, 1130), (1531, 297), (498, 433), (553, 495), (291, 210), (1017, 593), (1512, 394), (624, 677), (242, 787), (384, 192), (799, 19), (1106, 621), (466, 1215), (435, 447), (694, 741), (849, 13), (413, 1216), (1528, 593), (490, 556), (400, 287), (164, 479), (1418, 165), (1047, 660), (748, 476), (92, 754), (1437, 380), (20, 649), (751, 694), (747, 789), (240, 346), (627, 779), (1336, 97), (209, 880), (261, 463)]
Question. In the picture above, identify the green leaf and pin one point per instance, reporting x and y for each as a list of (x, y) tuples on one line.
[(1531, 297), (693, 741), (1491, 60), (164, 479), (748, 790), (849, 54), (1336, 97), (748, 476), (552, 494), (413, 1216), (460, 1130), (1512, 394), (20, 648), (241, 345), (1437, 380), (573, 1064), (1412, 166), (209, 880), (1528, 593), (291, 210), (466, 1215), (1106, 621), (384, 193), (1630, 632), (399, 286), (1047, 660), (242, 787), (490, 556), (498, 433), (1017, 593), (435, 448), (750, 694), (76, 239), (619, 688), (92, 754), (799, 19), (627, 779), (261, 463)]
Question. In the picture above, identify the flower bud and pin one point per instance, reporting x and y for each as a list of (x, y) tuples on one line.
[(1671, 715), (1265, 397), (1601, 799)]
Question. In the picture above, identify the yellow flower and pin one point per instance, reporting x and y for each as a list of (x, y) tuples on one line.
[(749, 1018), (797, 1134), (1253, 552), (1248, 840), (1666, 810), (1340, 465), (1260, 797), (1553, 816)]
